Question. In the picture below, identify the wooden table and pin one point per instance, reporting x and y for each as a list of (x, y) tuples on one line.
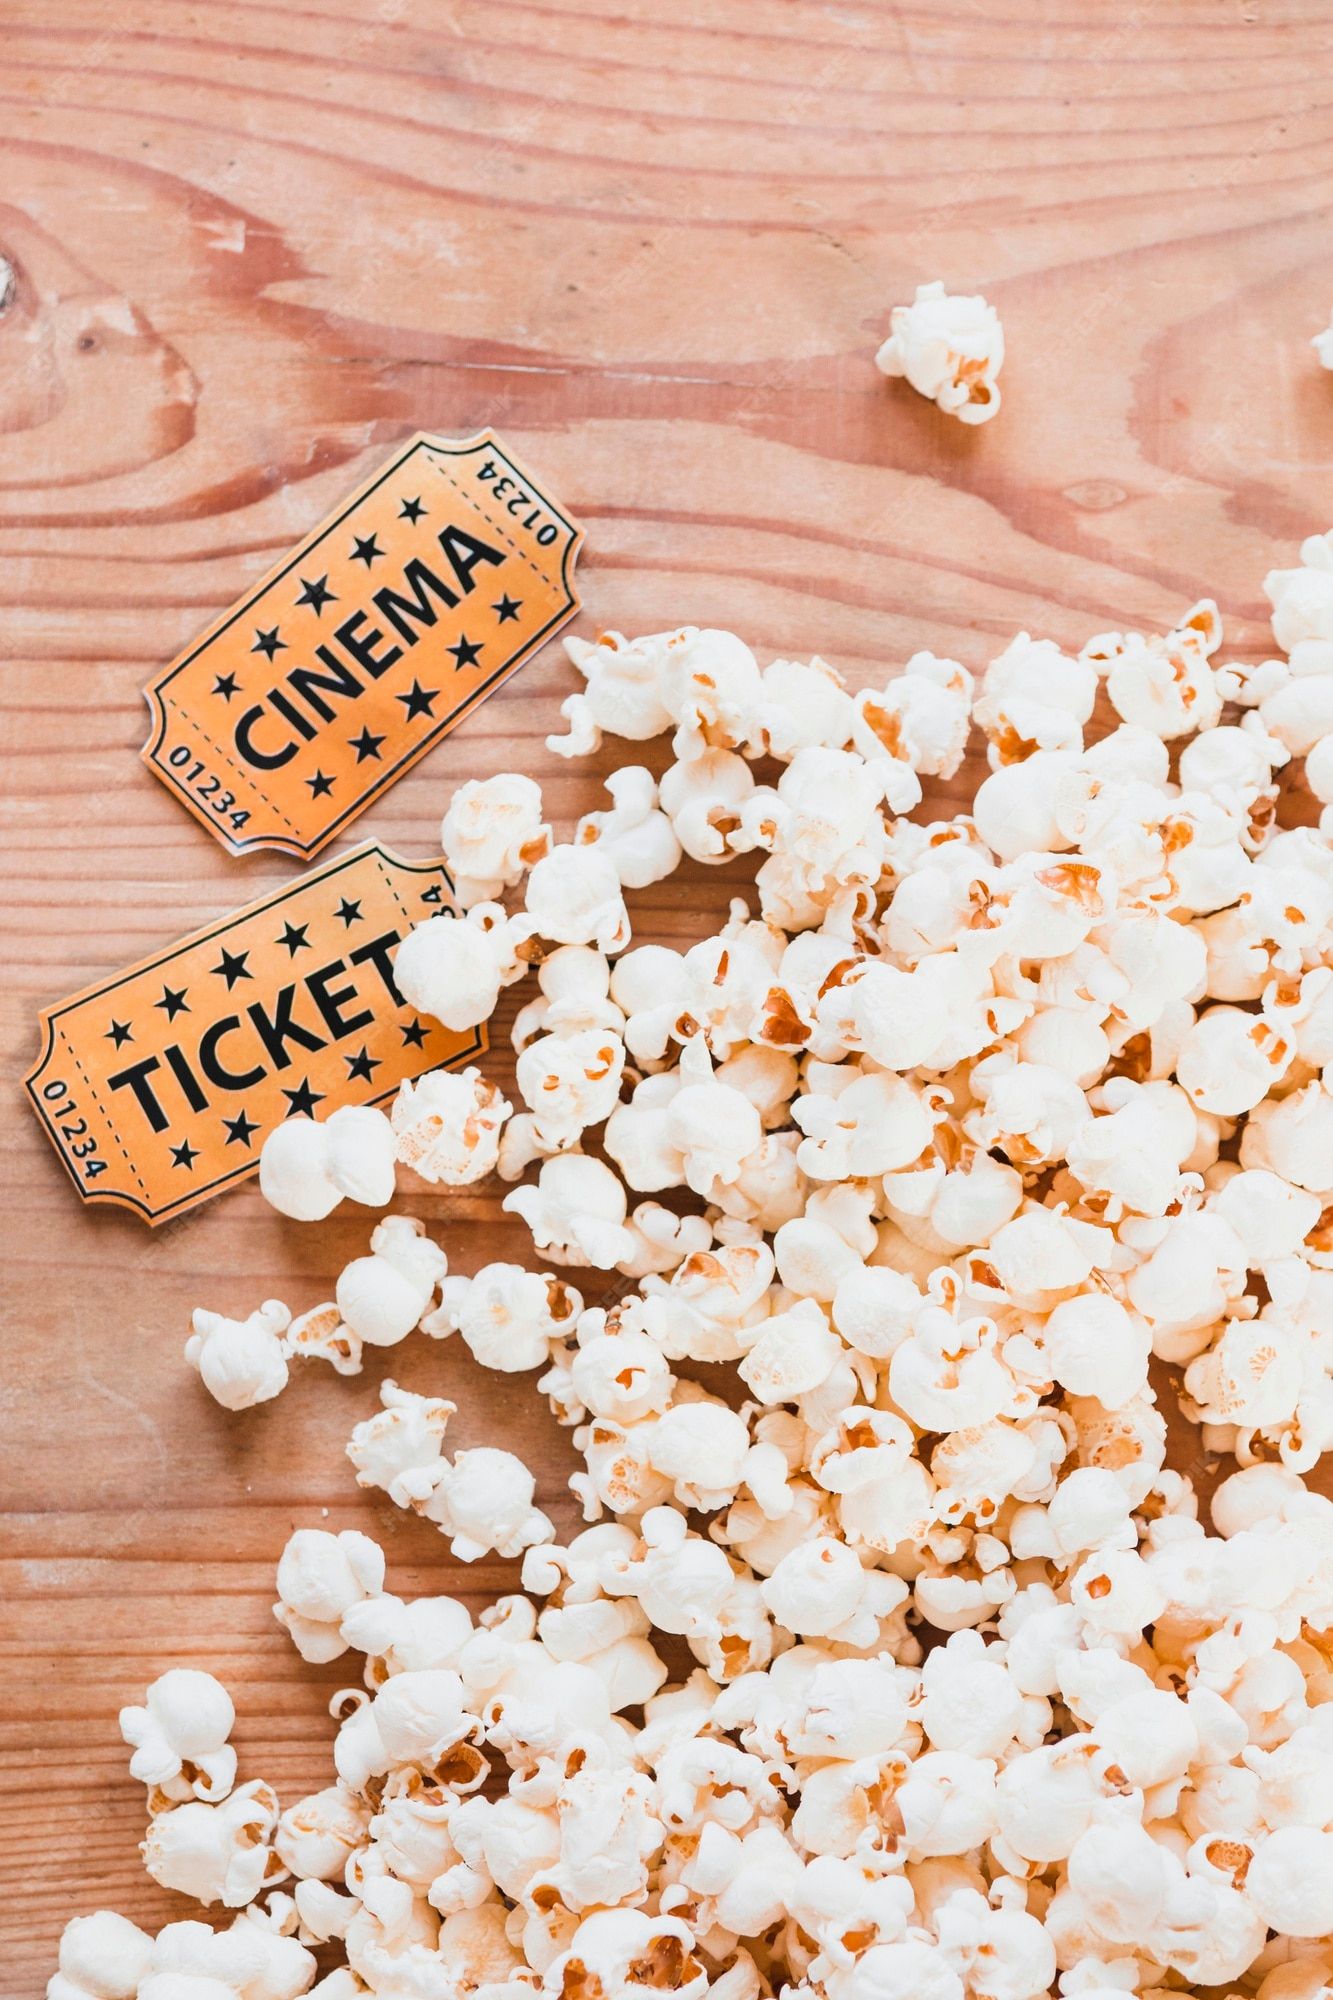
[(250, 248)]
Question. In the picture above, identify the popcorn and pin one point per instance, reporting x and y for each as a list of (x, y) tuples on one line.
[(102, 1957), (861, 1127), (710, 1127), (216, 1853), (1291, 1135), (241, 1361), (569, 1082), (378, 1299), (306, 1169), (321, 1578), (622, 693), (896, 1652), (702, 799), (1165, 685), (483, 1502), (795, 1352), (576, 1212), (820, 1590), (179, 1737), (509, 1318), (1230, 1060), (1095, 1346), (922, 718), (575, 983), (453, 968), (415, 1718), (447, 1125), (399, 1448), (574, 897), (1034, 697), (951, 348), (1016, 809), (802, 703), (492, 833), (316, 1838), (635, 835)]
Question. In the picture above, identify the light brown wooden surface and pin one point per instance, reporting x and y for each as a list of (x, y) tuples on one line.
[(252, 246)]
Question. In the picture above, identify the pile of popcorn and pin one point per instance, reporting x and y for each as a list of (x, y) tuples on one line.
[(938, 1146)]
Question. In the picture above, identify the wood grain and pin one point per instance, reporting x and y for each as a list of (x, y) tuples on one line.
[(253, 246)]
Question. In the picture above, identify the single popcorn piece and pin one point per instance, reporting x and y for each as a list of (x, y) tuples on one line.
[(381, 1298), (102, 1957), (635, 835), (575, 994), (622, 693), (509, 1318), (483, 1502), (322, 1577), (492, 834), (399, 1448), (568, 1082), (454, 968), (179, 1737), (306, 1169), (217, 1853), (576, 1212), (241, 1361), (573, 896), (950, 347), (447, 1125)]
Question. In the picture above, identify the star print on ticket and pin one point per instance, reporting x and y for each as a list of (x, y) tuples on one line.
[(159, 1086), (367, 644)]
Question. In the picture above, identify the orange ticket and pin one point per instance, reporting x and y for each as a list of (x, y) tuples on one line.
[(159, 1086), (382, 631)]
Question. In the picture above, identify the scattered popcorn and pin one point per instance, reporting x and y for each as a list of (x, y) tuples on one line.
[(951, 349), (893, 1656), (482, 1499)]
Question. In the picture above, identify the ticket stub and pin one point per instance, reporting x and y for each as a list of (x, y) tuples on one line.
[(158, 1087), (360, 650)]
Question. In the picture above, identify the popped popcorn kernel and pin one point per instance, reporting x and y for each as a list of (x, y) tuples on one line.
[(951, 349)]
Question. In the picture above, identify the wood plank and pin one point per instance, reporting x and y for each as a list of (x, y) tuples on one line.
[(253, 246)]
